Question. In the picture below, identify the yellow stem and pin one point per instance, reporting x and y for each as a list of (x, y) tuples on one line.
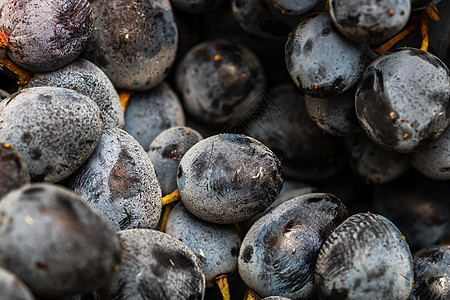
[(23, 76), (4, 40), (222, 282), (174, 196), (424, 31), (389, 44), (250, 295), (124, 96), (165, 216), (433, 13)]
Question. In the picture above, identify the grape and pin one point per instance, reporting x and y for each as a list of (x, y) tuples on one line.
[(87, 79), (166, 151), (120, 182), (321, 61), (285, 127), (45, 36), (279, 252), (373, 163), (283, 197), (261, 19), (4, 95), (149, 113), (364, 258), (370, 21), (421, 4), (156, 265), (12, 288), (221, 24), (220, 81), (434, 160), (216, 246), (55, 129), (13, 169), (334, 115), (418, 206), (431, 270), (294, 7), (227, 178), (134, 43), (402, 99), (55, 242)]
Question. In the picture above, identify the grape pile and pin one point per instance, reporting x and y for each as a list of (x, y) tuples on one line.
[(224, 149)]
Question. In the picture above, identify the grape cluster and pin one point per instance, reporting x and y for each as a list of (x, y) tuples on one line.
[(207, 149)]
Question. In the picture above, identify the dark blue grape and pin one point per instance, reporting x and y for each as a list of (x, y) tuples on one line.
[(227, 178), (279, 252), (284, 126), (120, 182), (45, 36), (86, 78), (421, 4), (149, 113), (12, 288), (418, 206), (370, 21), (216, 246), (334, 115), (432, 273), (321, 61), (434, 160), (166, 152), (13, 169), (294, 7), (220, 81), (262, 19), (55, 242), (364, 258), (156, 265), (55, 129), (373, 163), (134, 43), (402, 99)]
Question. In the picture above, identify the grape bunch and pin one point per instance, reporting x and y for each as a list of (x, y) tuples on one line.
[(214, 149)]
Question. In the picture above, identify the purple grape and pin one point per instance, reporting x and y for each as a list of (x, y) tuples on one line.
[(227, 178), (134, 43), (402, 101), (45, 36), (55, 129), (13, 169), (151, 112), (166, 152), (370, 21), (220, 81), (156, 265), (364, 258), (321, 61), (86, 78), (55, 242)]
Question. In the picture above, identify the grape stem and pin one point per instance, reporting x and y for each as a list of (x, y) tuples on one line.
[(222, 282), (165, 216), (172, 197), (4, 40), (389, 44), (23, 76), (250, 295), (430, 12), (124, 96)]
